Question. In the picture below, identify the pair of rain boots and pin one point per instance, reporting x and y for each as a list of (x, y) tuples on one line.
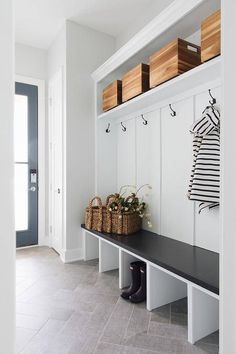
[(137, 289)]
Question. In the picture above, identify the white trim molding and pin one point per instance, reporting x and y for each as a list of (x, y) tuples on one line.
[(43, 238), (73, 255)]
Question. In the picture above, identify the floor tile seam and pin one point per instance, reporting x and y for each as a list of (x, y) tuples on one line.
[(31, 339), (128, 322), (129, 346), (105, 326), (160, 336), (28, 288), (150, 316)]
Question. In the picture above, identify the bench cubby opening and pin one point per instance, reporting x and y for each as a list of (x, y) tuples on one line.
[(124, 268), (108, 256), (163, 288)]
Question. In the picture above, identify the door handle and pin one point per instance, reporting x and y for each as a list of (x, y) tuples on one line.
[(58, 190), (32, 189)]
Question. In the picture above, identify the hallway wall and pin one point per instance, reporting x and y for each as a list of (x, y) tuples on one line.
[(30, 61), (7, 235)]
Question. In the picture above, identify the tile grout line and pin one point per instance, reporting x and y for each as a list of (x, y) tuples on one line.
[(37, 331), (128, 347), (150, 315), (128, 322), (105, 327)]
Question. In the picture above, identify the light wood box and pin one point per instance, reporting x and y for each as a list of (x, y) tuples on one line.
[(174, 59), (210, 36), (135, 82), (112, 95)]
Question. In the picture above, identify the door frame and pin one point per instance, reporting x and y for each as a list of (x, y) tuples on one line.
[(43, 237)]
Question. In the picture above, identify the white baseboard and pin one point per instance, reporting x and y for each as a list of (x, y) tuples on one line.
[(68, 256)]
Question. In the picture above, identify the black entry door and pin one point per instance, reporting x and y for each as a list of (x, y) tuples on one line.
[(26, 164)]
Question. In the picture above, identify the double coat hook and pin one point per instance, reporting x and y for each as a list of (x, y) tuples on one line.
[(172, 113), (145, 122), (108, 128), (123, 127), (213, 101)]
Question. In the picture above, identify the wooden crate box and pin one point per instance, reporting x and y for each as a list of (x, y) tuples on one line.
[(112, 95), (174, 59), (135, 82), (210, 36)]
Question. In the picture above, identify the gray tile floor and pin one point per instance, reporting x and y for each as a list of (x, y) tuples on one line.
[(72, 309)]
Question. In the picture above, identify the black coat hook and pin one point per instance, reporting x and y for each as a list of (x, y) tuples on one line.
[(108, 128), (173, 113), (123, 127), (145, 122), (213, 101)]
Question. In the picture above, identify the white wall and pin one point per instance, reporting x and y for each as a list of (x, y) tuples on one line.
[(79, 50), (7, 235), (153, 154), (228, 235), (30, 61), (56, 60), (86, 49), (150, 12), (57, 53)]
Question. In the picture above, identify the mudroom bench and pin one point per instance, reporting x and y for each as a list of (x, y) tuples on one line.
[(174, 270)]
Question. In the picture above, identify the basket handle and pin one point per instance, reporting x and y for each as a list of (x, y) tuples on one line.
[(90, 213), (120, 221), (110, 197)]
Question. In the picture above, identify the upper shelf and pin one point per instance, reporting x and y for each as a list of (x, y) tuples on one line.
[(200, 75), (180, 19)]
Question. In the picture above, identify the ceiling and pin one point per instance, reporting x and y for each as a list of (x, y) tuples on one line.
[(37, 22)]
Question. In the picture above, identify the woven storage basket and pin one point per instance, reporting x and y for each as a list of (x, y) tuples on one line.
[(98, 217), (125, 223)]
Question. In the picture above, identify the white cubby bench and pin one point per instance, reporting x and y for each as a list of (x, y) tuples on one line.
[(174, 270)]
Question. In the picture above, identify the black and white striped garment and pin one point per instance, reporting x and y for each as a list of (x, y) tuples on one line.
[(204, 184)]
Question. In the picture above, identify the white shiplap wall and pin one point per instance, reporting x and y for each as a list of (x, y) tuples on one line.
[(160, 153)]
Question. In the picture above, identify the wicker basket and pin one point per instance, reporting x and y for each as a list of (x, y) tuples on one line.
[(125, 223), (98, 217)]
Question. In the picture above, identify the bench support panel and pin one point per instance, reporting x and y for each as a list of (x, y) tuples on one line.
[(108, 256), (203, 314), (124, 272), (90, 246), (163, 288)]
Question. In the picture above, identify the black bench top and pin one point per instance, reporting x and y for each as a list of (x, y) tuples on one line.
[(193, 263)]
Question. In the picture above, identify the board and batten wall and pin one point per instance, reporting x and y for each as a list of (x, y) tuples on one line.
[(160, 154)]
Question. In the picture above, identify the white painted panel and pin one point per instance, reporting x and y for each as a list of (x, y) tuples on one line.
[(207, 228), (126, 154), (148, 147), (108, 256), (90, 246), (106, 158), (203, 314), (163, 288), (56, 159), (177, 214)]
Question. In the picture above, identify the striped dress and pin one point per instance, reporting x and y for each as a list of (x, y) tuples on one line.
[(204, 184)]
